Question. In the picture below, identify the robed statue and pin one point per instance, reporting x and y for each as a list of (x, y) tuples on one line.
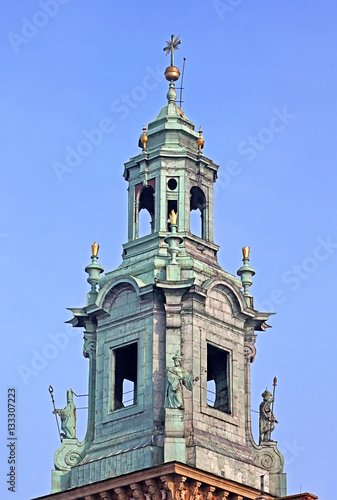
[(267, 417), (177, 377), (68, 417)]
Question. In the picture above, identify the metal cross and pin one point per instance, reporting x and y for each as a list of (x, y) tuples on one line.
[(172, 46)]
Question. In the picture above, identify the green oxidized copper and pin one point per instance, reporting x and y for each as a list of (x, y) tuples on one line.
[(246, 272)]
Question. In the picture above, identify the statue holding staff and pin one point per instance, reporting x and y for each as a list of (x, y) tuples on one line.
[(267, 417), (68, 417)]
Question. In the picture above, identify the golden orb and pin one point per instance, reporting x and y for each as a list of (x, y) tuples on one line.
[(172, 73)]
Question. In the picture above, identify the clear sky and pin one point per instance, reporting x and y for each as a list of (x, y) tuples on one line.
[(261, 81)]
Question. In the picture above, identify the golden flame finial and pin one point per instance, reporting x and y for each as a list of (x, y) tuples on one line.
[(144, 138), (245, 252), (200, 140), (173, 217), (94, 249)]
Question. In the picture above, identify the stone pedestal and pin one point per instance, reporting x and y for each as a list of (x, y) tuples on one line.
[(173, 272), (174, 441), (66, 456)]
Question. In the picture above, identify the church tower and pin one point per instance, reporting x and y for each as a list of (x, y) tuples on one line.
[(169, 336)]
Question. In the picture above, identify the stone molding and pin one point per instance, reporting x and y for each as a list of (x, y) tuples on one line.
[(171, 481)]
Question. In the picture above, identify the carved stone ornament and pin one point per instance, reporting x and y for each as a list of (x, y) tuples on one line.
[(250, 352), (249, 348), (68, 455), (222, 495), (195, 494), (105, 495), (270, 458), (168, 487), (137, 492), (89, 348), (153, 490), (208, 493), (175, 486), (121, 494), (180, 490)]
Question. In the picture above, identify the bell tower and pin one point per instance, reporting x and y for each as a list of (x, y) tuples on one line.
[(169, 336)]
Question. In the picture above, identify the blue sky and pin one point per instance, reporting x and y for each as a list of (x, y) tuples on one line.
[(260, 79)]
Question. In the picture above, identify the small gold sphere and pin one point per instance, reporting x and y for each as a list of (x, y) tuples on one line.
[(172, 73)]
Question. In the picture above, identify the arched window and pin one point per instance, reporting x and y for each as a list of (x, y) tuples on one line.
[(198, 203), (145, 211)]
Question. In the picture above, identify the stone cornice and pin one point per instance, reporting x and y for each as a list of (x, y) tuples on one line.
[(168, 477)]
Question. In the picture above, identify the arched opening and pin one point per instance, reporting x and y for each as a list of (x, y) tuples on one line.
[(145, 212), (198, 218)]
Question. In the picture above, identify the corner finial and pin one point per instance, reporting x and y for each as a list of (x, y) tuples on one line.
[(246, 272), (144, 138), (93, 270), (200, 141)]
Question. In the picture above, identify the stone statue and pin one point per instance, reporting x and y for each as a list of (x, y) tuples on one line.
[(176, 378), (267, 417), (68, 417)]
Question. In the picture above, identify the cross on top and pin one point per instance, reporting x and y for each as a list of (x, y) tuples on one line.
[(172, 46)]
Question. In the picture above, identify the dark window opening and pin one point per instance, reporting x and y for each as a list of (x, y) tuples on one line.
[(171, 205), (146, 211), (198, 202), (172, 184), (125, 380), (218, 389)]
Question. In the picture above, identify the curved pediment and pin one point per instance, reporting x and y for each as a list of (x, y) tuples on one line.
[(225, 296), (118, 292)]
